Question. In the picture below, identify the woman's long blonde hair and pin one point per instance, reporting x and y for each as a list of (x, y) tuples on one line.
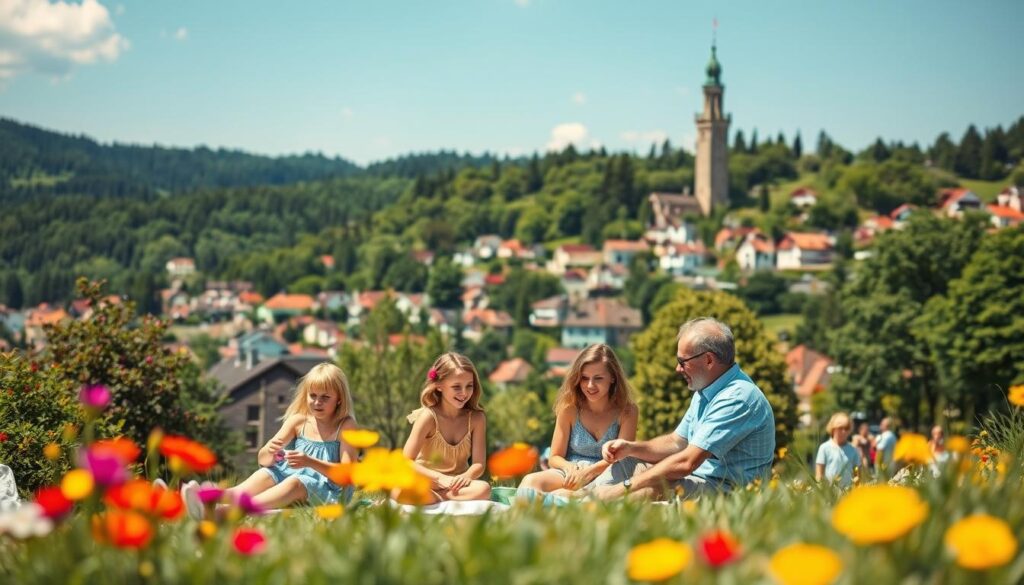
[(323, 376), (570, 396), (444, 366)]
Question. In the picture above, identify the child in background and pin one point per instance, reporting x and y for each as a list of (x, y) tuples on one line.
[(448, 437), (295, 460), (594, 406), (836, 456)]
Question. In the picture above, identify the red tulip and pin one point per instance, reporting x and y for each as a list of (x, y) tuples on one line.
[(719, 548), (53, 502)]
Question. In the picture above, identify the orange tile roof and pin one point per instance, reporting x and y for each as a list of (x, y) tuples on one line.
[(805, 241), (1007, 213), (287, 302), (46, 315), (625, 246), (511, 371)]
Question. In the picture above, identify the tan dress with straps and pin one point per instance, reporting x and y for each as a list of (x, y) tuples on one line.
[(440, 455)]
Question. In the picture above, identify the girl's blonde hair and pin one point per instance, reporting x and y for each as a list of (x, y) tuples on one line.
[(833, 423), (444, 366), (323, 376), (570, 395)]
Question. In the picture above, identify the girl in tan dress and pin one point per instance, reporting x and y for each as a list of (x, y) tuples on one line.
[(448, 437)]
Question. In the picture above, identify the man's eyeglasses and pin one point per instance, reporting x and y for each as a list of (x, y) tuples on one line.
[(682, 361)]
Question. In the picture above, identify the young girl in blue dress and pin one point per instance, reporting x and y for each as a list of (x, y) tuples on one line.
[(594, 405), (294, 461)]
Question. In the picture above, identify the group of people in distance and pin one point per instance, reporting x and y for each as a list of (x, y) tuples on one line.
[(725, 439), (845, 452)]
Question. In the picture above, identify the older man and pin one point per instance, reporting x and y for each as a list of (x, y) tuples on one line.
[(726, 437)]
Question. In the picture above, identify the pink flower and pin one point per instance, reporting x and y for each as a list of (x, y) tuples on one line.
[(208, 495), (249, 541), (94, 396), (106, 467), (432, 374), (245, 504)]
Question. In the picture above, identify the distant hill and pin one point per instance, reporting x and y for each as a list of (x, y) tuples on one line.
[(430, 163), (35, 161)]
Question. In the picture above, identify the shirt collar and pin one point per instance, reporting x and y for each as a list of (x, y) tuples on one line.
[(712, 389)]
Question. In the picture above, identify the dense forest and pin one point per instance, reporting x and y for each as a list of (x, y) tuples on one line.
[(75, 207)]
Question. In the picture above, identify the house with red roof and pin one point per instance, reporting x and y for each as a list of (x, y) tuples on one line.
[(682, 259), (802, 250), (901, 214), (810, 373), (757, 252), (600, 320), (477, 321), (559, 359), (180, 267), (622, 252), (510, 372), (284, 305), (803, 197), (549, 312), (569, 256), (954, 202), (1008, 210)]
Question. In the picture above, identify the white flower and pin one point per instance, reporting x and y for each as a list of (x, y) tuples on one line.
[(25, 521)]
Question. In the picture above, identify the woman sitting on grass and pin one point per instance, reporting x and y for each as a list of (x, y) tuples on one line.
[(594, 406)]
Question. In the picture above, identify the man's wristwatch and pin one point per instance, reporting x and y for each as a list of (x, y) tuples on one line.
[(628, 484)]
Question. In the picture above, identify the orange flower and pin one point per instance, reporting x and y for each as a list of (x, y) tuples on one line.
[(514, 461), (122, 447), (183, 452), (340, 474), (122, 528), (140, 495), (417, 494), (1016, 395)]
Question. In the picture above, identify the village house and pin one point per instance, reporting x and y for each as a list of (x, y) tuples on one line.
[(600, 320), (606, 278), (549, 312), (728, 239), (901, 214), (283, 305), (803, 197), (180, 267), (478, 321), (486, 247), (574, 282), (37, 319), (569, 256), (1007, 210), (798, 251), (682, 259), (558, 360), (622, 252), (810, 373), (510, 372), (669, 218), (757, 252), (954, 202)]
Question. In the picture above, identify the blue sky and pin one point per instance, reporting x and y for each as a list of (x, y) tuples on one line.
[(370, 80)]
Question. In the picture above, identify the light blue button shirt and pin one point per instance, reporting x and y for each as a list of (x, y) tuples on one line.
[(732, 419), (838, 461), (884, 448)]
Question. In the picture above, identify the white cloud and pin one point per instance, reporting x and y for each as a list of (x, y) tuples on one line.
[(643, 138), (50, 38), (181, 34), (573, 133), (579, 98), (522, 3)]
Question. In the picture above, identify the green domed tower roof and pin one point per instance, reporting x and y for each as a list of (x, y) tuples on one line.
[(714, 70)]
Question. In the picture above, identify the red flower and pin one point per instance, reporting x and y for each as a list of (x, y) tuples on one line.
[(53, 502), (142, 496), (249, 541), (719, 548), (432, 374), (195, 456), (3, 437), (122, 528)]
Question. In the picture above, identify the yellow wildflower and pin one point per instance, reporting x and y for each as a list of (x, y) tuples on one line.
[(957, 444), (689, 506), (382, 469), (207, 529), (360, 438), (1016, 395), (913, 448), (782, 452), (330, 511), (805, 564), (77, 484), (981, 542), (871, 514), (658, 560)]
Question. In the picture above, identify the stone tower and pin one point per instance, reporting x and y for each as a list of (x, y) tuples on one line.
[(712, 171)]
